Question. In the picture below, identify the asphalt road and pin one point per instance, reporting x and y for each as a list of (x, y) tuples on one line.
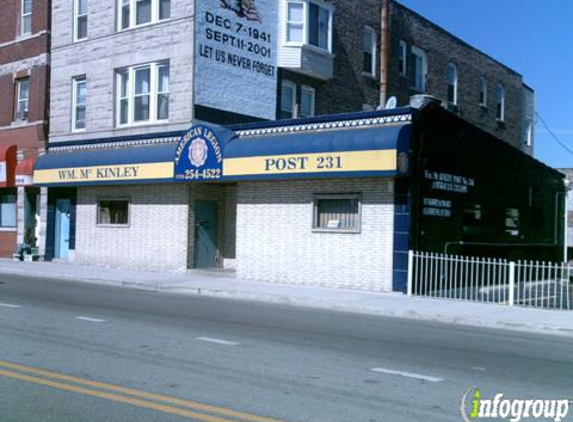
[(73, 352)]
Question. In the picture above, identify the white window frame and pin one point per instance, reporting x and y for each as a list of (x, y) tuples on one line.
[(21, 100), (77, 17), (113, 199), (374, 40), (483, 91), (290, 85), (75, 82), (305, 89), (153, 94), (14, 209), (454, 68), (403, 55), (351, 196), (306, 24), (500, 102), (155, 5), (24, 15), (416, 51)]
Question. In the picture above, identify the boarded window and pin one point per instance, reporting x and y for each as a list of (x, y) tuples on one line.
[(113, 212), (337, 212)]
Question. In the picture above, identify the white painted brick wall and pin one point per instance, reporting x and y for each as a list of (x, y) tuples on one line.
[(106, 50), (275, 241), (156, 238)]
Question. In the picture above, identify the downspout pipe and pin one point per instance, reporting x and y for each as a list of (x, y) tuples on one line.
[(384, 50)]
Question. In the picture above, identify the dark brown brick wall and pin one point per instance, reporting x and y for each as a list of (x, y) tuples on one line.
[(442, 47), (349, 89), (10, 18), (28, 138)]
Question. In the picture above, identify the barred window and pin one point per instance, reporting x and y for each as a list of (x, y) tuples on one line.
[(337, 212), (113, 212)]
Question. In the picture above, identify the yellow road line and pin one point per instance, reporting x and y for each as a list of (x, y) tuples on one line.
[(132, 392), (111, 396)]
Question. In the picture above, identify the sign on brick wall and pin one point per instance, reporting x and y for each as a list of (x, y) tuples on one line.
[(235, 63)]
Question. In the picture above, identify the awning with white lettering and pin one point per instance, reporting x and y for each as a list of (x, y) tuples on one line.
[(136, 164)]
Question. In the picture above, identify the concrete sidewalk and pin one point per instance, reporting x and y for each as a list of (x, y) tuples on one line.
[(221, 284)]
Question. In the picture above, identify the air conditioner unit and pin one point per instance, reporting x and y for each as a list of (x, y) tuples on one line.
[(22, 115)]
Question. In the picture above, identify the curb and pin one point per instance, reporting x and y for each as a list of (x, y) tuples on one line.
[(312, 304)]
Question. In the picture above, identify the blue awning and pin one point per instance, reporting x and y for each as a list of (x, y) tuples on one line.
[(371, 150), (137, 164)]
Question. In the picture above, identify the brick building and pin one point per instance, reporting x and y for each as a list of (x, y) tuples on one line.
[(24, 89), (142, 173), (381, 49)]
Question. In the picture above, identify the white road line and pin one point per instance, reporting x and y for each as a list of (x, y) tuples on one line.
[(408, 375), (9, 305), (89, 319), (217, 341)]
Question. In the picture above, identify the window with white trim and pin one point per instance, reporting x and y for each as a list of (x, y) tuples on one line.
[(22, 98), (143, 94), (337, 212), (420, 69), (80, 19), (79, 96), (369, 51), (402, 58), (309, 22), (26, 17), (8, 210), (133, 13), (500, 102), (113, 212), (483, 91), (452, 83), (288, 100), (306, 101)]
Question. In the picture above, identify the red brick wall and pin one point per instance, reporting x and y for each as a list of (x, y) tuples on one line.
[(7, 103), (7, 243), (29, 48), (10, 18), (27, 138)]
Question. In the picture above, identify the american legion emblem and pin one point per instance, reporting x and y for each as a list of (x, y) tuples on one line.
[(243, 9), (198, 152)]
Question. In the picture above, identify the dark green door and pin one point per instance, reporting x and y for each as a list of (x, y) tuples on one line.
[(206, 220)]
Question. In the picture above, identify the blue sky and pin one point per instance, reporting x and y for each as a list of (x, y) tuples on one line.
[(534, 38)]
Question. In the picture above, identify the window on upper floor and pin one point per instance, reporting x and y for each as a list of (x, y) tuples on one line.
[(369, 51), (143, 94), (402, 57), (133, 13), (452, 83), (500, 102), (26, 17), (79, 97), (529, 133), (22, 99), (288, 100), (483, 91), (306, 101), (420, 69), (80, 19), (309, 22)]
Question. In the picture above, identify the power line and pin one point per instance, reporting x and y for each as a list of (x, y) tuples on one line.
[(563, 145)]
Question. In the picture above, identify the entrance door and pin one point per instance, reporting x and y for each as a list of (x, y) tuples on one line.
[(206, 219), (62, 239)]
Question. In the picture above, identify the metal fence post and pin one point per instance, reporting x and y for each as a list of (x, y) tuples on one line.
[(410, 272), (511, 299)]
